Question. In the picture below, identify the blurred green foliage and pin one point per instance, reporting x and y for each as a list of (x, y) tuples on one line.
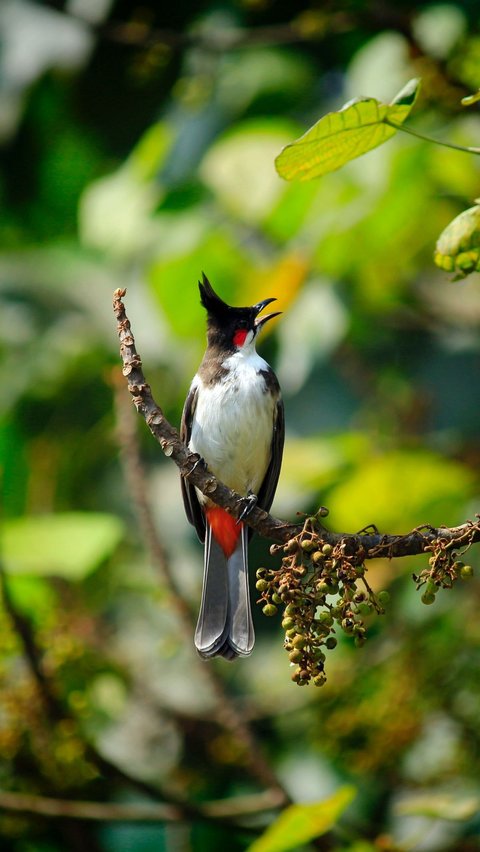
[(138, 149)]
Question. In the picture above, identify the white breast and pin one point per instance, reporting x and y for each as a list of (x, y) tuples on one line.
[(233, 422)]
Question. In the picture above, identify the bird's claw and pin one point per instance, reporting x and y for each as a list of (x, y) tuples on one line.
[(193, 467), (249, 502)]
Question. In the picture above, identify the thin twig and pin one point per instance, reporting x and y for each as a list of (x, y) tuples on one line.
[(32, 654), (239, 807)]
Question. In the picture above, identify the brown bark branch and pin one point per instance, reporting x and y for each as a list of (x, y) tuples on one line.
[(229, 809), (192, 467)]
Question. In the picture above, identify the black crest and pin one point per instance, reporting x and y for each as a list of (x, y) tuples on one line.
[(219, 313), (213, 304)]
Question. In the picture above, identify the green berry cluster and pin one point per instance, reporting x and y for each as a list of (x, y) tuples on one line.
[(323, 589), (443, 570)]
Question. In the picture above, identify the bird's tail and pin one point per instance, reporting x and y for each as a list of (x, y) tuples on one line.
[(225, 626)]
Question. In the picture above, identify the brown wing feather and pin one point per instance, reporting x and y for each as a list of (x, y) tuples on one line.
[(268, 487), (193, 509)]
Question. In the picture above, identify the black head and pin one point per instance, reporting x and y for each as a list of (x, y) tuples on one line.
[(227, 326)]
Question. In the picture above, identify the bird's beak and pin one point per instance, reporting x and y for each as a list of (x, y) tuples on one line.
[(260, 321)]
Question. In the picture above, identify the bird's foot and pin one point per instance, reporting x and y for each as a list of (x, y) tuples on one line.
[(249, 502), (194, 466), (371, 529)]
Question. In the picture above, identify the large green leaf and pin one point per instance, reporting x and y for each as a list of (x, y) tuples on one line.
[(68, 545), (338, 137), (399, 489), (301, 823), (238, 168), (173, 276)]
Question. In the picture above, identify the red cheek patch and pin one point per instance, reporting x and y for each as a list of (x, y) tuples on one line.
[(240, 336)]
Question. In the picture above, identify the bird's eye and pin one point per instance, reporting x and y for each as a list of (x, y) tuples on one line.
[(240, 336)]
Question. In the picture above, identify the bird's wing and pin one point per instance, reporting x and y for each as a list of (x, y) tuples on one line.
[(193, 509), (268, 487)]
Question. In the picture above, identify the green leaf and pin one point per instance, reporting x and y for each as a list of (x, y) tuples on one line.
[(338, 137), (301, 823), (215, 252), (458, 246), (32, 596), (380, 490), (237, 168), (69, 545)]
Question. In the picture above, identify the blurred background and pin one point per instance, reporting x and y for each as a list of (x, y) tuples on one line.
[(137, 146)]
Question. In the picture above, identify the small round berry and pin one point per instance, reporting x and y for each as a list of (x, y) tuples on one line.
[(269, 609), (300, 570), (261, 585), (318, 655), (466, 572)]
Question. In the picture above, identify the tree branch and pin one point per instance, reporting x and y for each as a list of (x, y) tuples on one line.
[(240, 806), (192, 467)]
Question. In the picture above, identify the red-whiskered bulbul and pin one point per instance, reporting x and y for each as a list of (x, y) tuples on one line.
[(233, 418)]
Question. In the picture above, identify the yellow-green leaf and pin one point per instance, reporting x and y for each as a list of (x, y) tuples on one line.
[(68, 545), (338, 137), (458, 246), (301, 823), (380, 490)]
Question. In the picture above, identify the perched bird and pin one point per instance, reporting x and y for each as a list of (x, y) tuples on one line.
[(233, 418)]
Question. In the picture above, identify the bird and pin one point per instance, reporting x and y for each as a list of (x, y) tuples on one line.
[(233, 418)]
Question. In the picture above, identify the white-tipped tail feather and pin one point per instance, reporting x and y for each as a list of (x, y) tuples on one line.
[(225, 626)]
